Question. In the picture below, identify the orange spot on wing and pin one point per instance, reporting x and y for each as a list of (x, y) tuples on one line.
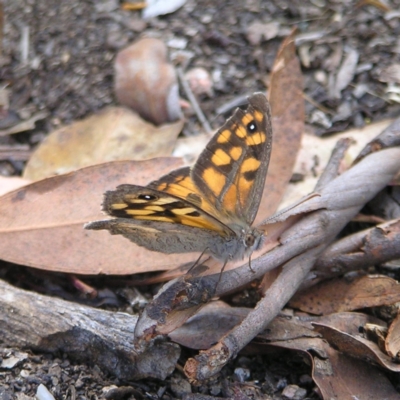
[(220, 158), (184, 211), (118, 206), (256, 139), (250, 164), (230, 199), (259, 116), (139, 213), (245, 185), (215, 180), (247, 118), (224, 136), (241, 132), (157, 219), (235, 152)]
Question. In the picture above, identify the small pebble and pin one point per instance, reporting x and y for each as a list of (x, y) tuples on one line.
[(242, 374), (24, 373), (178, 43), (43, 394), (294, 392), (321, 77), (319, 118), (180, 387)]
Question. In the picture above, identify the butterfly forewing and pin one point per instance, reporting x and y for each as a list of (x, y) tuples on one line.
[(232, 168), (147, 204)]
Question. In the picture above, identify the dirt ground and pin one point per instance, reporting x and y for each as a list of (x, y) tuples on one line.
[(68, 74)]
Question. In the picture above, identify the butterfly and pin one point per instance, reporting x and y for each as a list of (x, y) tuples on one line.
[(209, 207)]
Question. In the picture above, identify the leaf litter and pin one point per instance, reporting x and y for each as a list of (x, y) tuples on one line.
[(350, 377)]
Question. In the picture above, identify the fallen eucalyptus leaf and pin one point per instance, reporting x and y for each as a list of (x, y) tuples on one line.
[(116, 133)]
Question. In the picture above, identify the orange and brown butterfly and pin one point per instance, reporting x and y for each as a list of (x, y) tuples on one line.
[(209, 207)]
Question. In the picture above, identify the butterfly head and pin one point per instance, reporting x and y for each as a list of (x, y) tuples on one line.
[(239, 247), (252, 240)]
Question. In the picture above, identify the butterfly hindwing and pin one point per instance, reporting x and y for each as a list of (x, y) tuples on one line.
[(232, 168), (164, 237)]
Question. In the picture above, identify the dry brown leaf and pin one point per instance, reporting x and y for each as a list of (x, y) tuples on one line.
[(342, 377), (315, 152), (339, 375), (42, 223), (392, 343), (342, 331), (349, 322), (287, 108), (345, 295), (114, 134)]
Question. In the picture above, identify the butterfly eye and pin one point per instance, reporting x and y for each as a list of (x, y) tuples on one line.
[(147, 197), (251, 127), (249, 240)]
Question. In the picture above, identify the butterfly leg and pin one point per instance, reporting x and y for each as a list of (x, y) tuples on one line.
[(197, 262), (251, 269), (220, 274)]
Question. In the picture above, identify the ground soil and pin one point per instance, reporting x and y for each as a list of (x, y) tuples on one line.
[(68, 73)]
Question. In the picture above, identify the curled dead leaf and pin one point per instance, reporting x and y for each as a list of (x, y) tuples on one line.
[(345, 295), (146, 82), (116, 133)]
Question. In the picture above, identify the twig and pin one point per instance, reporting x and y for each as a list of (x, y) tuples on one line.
[(372, 246), (1, 27), (230, 105), (332, 169), (24, 44), (318, 105), (191, 97), (390, 137), (15, 152)]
